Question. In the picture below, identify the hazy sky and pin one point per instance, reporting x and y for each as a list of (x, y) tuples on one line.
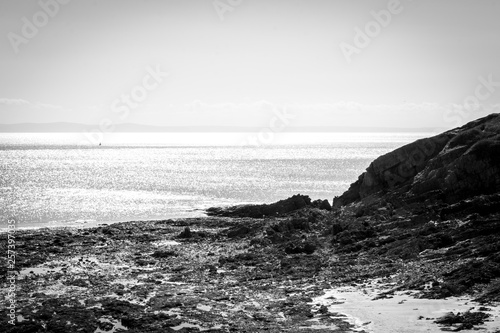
[(231, 62)]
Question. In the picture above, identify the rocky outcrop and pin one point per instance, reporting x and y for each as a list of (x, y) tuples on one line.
[(321, 204), (278, 208), (435, 204), (451, 166)]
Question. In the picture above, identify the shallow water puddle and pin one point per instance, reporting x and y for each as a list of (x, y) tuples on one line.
[(75, 265), (315, 325), (38, 271), (59, 289), (188, 325), (117, 325), (400, 313), (319, 327), (203, 307), (166, 243), (20, 319), (177, 312)]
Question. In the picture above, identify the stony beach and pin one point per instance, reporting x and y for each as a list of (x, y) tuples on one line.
[(224, 274)]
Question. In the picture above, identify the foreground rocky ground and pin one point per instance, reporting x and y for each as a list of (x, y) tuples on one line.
[(223, 274), (215, 274)]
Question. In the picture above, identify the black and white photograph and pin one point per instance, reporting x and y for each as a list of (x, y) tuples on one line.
[(303, 166)]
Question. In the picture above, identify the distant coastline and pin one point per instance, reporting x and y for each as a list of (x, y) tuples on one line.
[(64, 127)]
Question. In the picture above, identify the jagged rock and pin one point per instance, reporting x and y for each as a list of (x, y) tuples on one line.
[(322, 204), (239, 231), (307, 248), (257, 211), (164, 253), (186, 233), (463, 321), (451, 166), (482, 205)]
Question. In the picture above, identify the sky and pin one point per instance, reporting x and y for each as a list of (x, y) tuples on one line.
[(238, 63)]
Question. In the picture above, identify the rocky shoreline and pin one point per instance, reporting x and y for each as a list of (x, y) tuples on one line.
[(222, 274), (416, 238), (213, 274)]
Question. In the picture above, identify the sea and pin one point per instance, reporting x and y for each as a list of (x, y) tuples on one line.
[(66, 179)]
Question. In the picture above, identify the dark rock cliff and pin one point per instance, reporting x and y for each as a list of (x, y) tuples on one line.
[(451, 166)]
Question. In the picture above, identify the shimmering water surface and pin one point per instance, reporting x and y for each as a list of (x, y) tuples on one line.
[(52, 179)]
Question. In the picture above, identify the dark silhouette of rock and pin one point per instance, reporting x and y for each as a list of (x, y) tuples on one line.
[(164, 253), (457, 164), (257, 211), (463, 321), (307, 248), (186, 233), (482, 205), (322, 204), (239, 231)]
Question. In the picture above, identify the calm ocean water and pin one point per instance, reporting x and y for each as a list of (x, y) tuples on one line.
[(49, 179)]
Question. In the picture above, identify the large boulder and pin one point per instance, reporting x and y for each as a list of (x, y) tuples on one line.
[(454, 165)]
